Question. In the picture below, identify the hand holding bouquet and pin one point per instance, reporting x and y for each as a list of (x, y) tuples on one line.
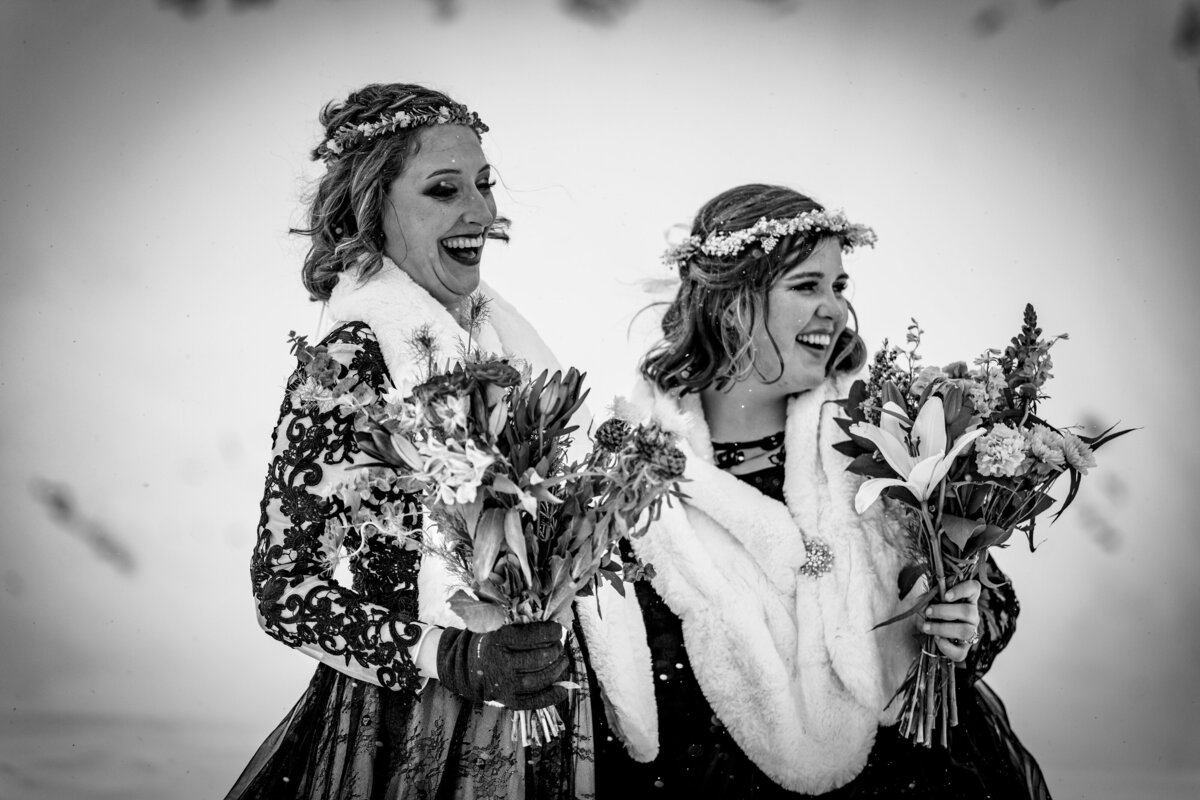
[(967, 459)]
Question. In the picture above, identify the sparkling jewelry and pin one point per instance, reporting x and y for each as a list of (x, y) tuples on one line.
[(820, 558)]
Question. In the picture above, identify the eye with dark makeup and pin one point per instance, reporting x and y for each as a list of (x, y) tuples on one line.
[(446, 190), (442, 190), (839, 286)]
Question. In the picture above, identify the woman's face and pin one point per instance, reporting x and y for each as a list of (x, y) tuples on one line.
[(806, 313), (437, 213)]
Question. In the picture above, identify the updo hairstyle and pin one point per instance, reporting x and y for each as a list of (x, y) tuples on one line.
[(708, 327)]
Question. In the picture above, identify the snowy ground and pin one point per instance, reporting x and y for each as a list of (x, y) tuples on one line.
[(52, 757)]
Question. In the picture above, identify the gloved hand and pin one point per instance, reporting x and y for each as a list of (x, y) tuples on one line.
[(516, 665)]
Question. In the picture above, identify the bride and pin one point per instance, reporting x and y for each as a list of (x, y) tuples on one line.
[(769, 679), (399, 704)]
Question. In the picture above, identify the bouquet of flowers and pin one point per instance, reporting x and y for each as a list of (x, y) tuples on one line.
[(485, 449), (968, 460)]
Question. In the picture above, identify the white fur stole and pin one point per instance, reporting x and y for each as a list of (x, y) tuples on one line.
[(394, 307), (788, 662)]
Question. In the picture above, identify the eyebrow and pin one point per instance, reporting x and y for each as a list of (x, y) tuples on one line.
[(795, 276), (454, 171)]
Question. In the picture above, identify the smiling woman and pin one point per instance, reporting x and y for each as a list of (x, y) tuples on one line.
[(772, 678), (446, 196), (405, 178), (398, 706)]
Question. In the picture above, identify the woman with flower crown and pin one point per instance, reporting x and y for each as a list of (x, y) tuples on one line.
[(402, 704), (765, 586)]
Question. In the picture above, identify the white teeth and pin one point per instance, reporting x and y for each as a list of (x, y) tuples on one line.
[(463, 241), (818, 339)]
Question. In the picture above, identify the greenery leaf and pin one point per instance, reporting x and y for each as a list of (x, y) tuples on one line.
[(489, 536), (921, 604), (959, 529), (985, 537), (908, 578), (480, 616), (514, 537)]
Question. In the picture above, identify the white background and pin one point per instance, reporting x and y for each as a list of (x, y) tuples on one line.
[(151, 163)]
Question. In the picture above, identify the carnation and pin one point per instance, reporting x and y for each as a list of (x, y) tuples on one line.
[(1001, 452), (1045, 449), (1077, 453)]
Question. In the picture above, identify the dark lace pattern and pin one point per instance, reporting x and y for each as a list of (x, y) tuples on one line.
[(366, 631)]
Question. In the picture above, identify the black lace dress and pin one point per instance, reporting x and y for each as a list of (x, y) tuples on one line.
[(365, 729), (698, 758)]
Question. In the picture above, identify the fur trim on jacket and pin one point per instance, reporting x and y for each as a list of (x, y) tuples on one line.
[(788, 662), (394, 306)]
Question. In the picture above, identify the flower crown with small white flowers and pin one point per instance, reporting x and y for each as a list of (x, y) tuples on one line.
[(350, 137), (768, 232)]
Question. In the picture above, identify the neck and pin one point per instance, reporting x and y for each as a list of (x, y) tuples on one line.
[(742, 412)]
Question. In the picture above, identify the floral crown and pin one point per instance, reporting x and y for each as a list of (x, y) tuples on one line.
[(768, 232), (350, 137)]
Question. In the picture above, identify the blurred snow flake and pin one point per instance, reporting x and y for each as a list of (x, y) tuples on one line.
[(58, 500)]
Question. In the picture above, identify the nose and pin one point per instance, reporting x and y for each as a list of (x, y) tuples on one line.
[(479, 209), (830, 305)]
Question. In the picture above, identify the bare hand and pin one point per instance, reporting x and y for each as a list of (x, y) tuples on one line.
[(955, 623)]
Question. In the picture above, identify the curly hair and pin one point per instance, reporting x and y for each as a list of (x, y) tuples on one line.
[(345, 211), (708, 327)]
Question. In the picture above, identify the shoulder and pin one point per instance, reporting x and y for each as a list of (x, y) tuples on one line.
[(347, 357)]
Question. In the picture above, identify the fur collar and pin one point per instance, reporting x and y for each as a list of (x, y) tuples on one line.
[(788, 662), (394, 306)]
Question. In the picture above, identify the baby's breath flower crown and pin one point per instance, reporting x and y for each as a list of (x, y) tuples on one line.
[(351, 137), (768, 232)]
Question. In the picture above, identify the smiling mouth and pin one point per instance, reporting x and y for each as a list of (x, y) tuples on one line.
[(466, 250), (817, 343)]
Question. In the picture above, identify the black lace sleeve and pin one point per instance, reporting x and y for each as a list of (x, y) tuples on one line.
[(998, 609), (365, 632)]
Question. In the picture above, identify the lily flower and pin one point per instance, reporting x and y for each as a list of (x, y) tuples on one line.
[(920, 474)]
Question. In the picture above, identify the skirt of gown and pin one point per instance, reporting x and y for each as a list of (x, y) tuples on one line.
[(350, 740), (698, 757)]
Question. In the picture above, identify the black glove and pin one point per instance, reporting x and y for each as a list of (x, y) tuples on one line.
[(516, 665)]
